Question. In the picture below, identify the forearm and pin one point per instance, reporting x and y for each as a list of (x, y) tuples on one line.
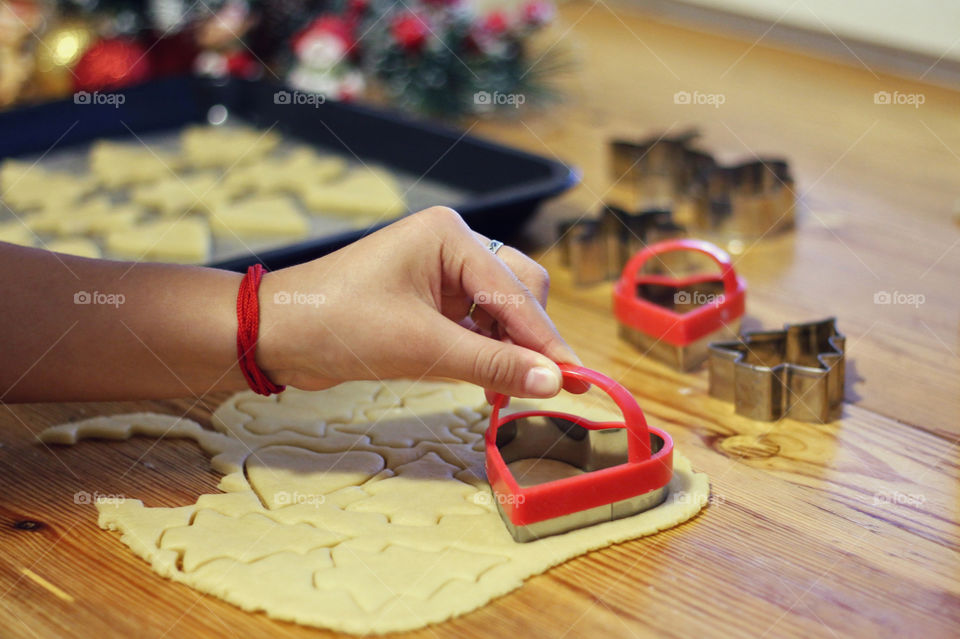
[(77, 329)]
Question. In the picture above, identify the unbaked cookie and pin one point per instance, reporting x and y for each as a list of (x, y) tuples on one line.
[(28, 187), (292, 173), (211, 147), (366, 193), (79, 246), (274, 215), (17, 232), (186, 240), (121, 165), (181, 194)]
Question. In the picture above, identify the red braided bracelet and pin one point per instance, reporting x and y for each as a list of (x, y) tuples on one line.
[(248, 326)]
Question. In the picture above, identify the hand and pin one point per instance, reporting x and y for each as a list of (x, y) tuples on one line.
[(396, 304)]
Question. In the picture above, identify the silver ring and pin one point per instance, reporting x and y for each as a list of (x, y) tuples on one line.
[(494, 246)]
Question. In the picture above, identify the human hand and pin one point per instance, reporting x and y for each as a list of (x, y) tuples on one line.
[(396, 304)]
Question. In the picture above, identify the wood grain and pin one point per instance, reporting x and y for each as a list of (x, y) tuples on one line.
[(836, 530)]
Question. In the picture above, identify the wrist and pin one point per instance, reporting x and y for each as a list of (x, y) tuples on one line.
[(275, 349)]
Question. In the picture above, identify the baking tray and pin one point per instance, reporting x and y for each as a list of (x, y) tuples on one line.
[(495, 188)]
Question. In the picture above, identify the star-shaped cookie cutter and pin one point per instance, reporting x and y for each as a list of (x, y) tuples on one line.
[(796, 372)]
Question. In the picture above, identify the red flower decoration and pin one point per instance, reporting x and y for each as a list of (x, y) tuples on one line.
[(537, 12), (328, 25), (495, 23), (410, 31)]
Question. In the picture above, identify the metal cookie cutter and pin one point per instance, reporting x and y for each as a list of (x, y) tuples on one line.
[(797, 372), (673, 319), (620, 469), (745, 200), (596, 249)]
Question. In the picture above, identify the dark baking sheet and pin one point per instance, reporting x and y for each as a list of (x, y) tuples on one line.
[(495, 188)]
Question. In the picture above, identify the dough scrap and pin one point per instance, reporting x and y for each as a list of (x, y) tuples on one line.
[(400, 533)]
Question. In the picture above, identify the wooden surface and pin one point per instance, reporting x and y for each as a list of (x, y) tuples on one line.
[(837, 530)]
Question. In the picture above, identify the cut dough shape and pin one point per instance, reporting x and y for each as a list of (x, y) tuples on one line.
[(17, 232), (182, 194), (394, 537), (212, 147), (366, 193), (292, 173), (79, 246), (95, 215), (26, 187), (186, 240), (118, 166), (274, 215)]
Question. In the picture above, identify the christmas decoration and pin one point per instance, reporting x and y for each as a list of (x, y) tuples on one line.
[(220, 38), (112, 63), (57, 53), (18, 20), (323, 52)]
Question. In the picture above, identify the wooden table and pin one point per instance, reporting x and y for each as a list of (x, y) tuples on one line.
[(843, 529)]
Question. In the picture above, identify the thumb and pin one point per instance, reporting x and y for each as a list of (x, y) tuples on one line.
[(505, 368)]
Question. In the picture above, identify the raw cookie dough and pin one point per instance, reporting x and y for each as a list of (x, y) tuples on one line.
[(16, 232), (273, 215), (95, 215), (181, 194), (79, 246), (212, 147), (362, 508), (118, 166), (26, 187), (370, 194), (186, 240), (293, 173)]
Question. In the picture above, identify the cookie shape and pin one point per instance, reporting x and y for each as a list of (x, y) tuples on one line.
[(117, 166), (207, 147), (186, 241), (17, 232), (340, 524), (274, 215), (79, 246), (369, 194), (181, 194), (26, 187), (293, 173)]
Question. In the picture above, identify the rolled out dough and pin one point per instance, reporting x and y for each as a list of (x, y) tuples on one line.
[(362, 508)]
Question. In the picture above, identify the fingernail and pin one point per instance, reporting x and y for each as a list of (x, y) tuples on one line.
[(541, 382)]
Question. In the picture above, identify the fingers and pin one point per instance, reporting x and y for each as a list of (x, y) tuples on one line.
[(497, 366)]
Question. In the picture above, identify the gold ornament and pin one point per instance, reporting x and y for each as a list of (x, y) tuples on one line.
[(57, 53)]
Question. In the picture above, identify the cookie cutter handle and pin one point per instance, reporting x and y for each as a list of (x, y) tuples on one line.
[(631, 277), (638, 434)]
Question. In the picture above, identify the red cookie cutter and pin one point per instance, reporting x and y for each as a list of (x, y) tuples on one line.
[(673, 319), (611, 470)]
